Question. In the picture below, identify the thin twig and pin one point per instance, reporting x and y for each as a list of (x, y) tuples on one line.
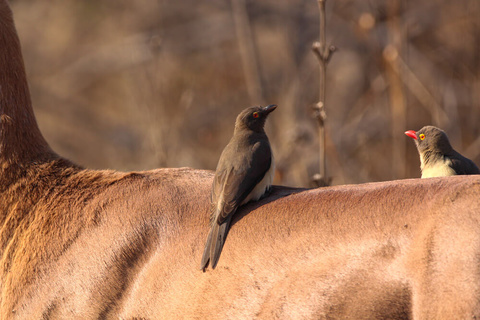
[(323, 54)]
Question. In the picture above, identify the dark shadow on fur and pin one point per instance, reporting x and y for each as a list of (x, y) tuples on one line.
[(275, 193)]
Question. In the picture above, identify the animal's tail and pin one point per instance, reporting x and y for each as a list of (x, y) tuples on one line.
[(214, 245)]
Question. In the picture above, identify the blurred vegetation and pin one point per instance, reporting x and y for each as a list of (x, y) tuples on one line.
[(134, 85)]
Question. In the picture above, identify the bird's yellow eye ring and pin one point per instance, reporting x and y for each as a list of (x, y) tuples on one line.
[(255, 114), (421, 136)]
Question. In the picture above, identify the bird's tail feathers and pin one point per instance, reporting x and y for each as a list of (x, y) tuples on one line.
[(206, 251), (214, 244), (219, 234)]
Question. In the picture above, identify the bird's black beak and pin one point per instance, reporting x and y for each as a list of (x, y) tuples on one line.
[(269, 109)]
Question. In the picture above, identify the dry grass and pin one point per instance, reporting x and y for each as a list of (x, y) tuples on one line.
[(133, 85)]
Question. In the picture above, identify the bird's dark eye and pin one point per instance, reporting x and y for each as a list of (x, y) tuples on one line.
[(421, 136), (255, 114)]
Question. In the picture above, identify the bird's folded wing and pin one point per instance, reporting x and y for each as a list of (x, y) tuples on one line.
[(463, 165), (232, 185)]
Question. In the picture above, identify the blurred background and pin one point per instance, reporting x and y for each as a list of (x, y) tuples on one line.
[(136, 85)]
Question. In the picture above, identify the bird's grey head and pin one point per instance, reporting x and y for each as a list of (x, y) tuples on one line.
[(431, 139), (253, 118)]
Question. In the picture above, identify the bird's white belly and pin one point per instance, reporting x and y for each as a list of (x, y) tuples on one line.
[(262, 186), (440, 170)]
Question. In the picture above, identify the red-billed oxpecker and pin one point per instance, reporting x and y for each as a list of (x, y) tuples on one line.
[(437, 157)]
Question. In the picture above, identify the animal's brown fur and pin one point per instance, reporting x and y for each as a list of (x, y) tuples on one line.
[(83, 244)]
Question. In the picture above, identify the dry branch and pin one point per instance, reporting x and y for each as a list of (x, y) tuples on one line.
[(323, 54)]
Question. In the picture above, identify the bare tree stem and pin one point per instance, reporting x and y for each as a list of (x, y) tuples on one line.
[(323, 54)]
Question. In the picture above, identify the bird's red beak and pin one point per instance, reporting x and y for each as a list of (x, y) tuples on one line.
[(412, 134)]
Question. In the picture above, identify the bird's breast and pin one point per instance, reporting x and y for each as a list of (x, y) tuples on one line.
[(439, 169)]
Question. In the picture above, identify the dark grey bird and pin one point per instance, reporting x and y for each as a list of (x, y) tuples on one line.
[(437, 157), (244, 173)]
